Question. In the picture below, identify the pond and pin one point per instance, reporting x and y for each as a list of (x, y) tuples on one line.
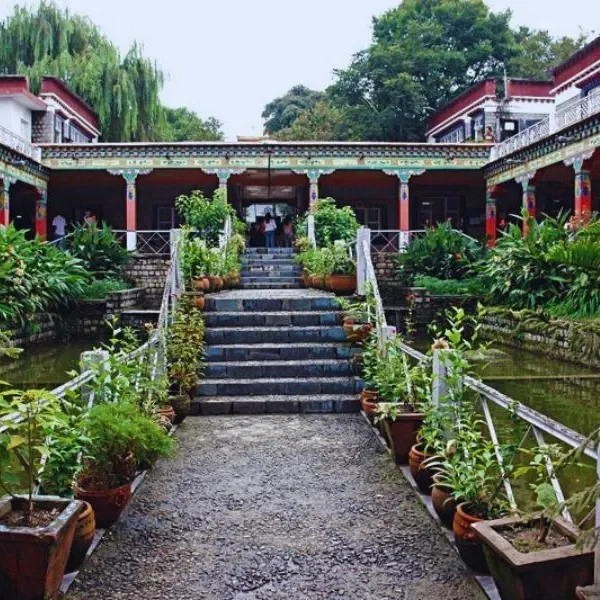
[(46, 365)]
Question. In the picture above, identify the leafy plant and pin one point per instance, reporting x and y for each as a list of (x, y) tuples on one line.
[(99, 249), (441, 253), (331, 223), (100, 288), (472, 286), (28, 418)]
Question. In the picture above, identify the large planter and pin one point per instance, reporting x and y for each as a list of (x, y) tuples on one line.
[(341, 284), (469, 547), (423, 475), (368, 401), (181, 404), (166, 411), (215, 282), (443, 502), (83, 538), (357, 332), (306, 279), (402, 434), (551, 574), (107, 504), (33, 559)]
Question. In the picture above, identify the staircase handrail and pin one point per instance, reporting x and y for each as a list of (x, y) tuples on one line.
[(225, 236), (312, 238)]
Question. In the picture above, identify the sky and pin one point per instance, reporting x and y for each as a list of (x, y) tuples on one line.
[(228, 58)]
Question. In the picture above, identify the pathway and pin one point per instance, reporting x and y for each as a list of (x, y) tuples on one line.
[(275, 507)]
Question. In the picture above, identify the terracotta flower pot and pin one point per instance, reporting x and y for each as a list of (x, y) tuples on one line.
[(83, 538), (205, 284), (423, 475), (197, 284), (341, 284), (368, 401), (107, 504), (199, 301), (306, 280), (181, 404), (551, 574), (164, 422), (402, 434), (166, 411), (33, 559), (469, 547), (443, 503), (218, 282), (357, 333)]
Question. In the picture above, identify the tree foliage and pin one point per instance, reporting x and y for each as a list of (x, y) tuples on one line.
[(123, 90), (185, 125), (283, 111), (423, 53)]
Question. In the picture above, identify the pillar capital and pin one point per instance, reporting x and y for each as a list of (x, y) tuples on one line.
[(313, 174), (404, 175), (578, 161), (224, 174), (130, 175), (526, 180), (6, 181)]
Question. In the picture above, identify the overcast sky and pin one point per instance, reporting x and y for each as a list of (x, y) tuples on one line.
[(228, 58)]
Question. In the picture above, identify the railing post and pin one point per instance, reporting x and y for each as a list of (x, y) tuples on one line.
[(440, 375), (363, 235), (88, 360), (310, 221)]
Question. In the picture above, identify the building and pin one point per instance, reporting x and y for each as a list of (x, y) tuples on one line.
[(544, 159)]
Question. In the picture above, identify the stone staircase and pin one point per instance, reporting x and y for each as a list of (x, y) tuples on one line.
[(270, 268), (275, 349)]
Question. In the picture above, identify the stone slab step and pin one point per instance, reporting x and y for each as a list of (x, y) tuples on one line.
[(280, 386), (276, 368), (261, 335), (271, 286), (276, 260), (301, 351), (267, 302), (266, 278), (279, 274), (242, 405), (262, 251), (270, 318)]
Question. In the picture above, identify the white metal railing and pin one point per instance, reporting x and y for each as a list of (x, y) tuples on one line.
[(227, 232), (310, 222), (394, 240), (147, 241), (563, 117), (21, 145)]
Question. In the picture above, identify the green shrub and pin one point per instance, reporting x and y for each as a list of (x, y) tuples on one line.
[(441, 253), (100, 288), (331, 223), (451, 287), (98, 248), (35, 277)]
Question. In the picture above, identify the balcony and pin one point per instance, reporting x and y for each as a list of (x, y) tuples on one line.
[(18, 144), (566, 116)]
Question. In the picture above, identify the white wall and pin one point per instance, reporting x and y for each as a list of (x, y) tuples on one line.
[(15, 117)]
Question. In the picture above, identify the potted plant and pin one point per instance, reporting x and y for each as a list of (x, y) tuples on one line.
[(537, 556), (121, 439), (340, 273), (370, 366), (36, 532), (359, 317), (400, 401)]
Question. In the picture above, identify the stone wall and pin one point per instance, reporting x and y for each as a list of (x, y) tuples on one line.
[(149, 272), (385, 270), (89, 316), (42, 127), (577, 342), (42, 328)]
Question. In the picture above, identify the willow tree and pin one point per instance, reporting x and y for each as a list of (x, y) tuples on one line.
[(124, 91)]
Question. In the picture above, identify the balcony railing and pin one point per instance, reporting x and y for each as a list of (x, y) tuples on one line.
[(22, 146), (564, 117)]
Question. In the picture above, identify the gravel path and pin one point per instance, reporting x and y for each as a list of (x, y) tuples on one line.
[(275, 507)]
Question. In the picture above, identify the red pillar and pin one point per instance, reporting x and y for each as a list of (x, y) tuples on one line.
[(583, 190), (41, 205), (528, 195), (491, 215), (5, 201), (404, 205)]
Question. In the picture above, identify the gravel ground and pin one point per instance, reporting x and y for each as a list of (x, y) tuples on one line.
[(275, 507)]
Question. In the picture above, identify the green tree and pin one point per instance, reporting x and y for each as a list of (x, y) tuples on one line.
[(185, 125), (283, 111), (322, 122)]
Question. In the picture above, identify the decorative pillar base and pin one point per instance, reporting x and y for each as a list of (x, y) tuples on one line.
[(491, 217), (41, 205), (131, 241)]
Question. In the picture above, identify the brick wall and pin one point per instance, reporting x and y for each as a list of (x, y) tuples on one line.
[(150, 273), (42, 127), (42, 328)]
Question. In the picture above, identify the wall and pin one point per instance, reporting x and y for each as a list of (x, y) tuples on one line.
[(42, 328), (148, 272), (577, 342), (11, 113)]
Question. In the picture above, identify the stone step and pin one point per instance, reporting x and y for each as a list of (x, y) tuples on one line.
[(261, 335), (278, 274), (261, 369), (276, 260), (279, 386), (269, 257), (273, 404), (265, 302), (266, 278), (262, 251), (265, 285), (285, 352), (270, 318)]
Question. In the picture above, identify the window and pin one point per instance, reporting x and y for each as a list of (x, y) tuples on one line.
[(454, 136), (369, 216), (165, 217), (58, 129)]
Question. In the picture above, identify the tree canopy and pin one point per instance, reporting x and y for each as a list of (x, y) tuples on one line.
[(423, 53), (283, 111), (124, 91)]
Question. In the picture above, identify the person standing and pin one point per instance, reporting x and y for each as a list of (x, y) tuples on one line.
[(59, 223), (288, 233), (270, 228)]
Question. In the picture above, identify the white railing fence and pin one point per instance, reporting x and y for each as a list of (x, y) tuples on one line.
[(394, 240), (145, 241), (563, 117), (227, 232), (19, 144), (310, 221)]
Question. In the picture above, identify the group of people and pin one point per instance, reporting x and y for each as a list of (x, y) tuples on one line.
[(59, 223), (264, 232)]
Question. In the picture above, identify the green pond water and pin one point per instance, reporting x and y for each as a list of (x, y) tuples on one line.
[(45, 365)]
